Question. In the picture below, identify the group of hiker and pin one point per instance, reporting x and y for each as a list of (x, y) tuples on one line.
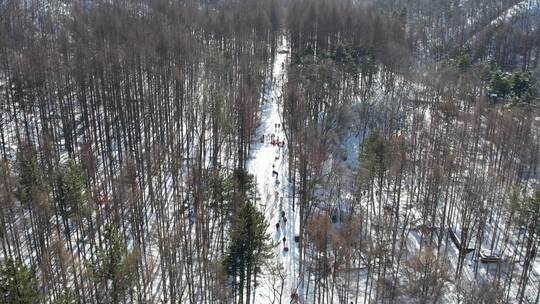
[(273, 140), (283, 220)]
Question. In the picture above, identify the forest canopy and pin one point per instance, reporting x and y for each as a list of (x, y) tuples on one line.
[(269, 151)]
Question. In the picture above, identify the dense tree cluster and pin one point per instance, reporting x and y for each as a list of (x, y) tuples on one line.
[(412, 135), (443, 143), (122, 124)]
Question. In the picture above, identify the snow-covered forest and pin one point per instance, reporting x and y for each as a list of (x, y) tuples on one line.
[(269, 151)]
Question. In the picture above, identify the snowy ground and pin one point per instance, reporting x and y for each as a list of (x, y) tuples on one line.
[(514, 11), (275, 192)]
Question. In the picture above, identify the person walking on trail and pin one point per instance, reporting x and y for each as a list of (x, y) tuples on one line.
[(284, 240)]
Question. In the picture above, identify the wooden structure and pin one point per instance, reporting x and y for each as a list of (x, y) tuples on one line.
[(488, 259)]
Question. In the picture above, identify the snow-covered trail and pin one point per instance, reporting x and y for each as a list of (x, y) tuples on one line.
[(275, 191), (513, 11)]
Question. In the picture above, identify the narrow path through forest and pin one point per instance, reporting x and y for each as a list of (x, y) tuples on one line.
[(269, 164)]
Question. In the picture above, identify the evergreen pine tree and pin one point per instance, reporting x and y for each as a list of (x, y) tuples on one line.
[(373, 157), (73, 196), (249, 248), (114, 268), (73, 189), (32, 180), (500, 84), (18, 283), (67, 297)]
